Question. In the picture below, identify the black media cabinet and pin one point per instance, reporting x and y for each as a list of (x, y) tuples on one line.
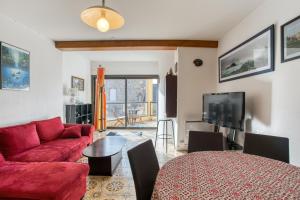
[(79, 114)]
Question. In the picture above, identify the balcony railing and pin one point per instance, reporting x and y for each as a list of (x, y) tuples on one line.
[(116, 110)]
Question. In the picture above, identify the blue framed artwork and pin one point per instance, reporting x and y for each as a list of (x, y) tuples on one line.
[(14, 68)]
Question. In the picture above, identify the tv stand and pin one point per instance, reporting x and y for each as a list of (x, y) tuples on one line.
[(216, 128), (232, 145), (230, 140)]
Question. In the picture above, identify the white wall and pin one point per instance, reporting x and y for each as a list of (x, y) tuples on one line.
[(193, 82), (74, 64), (166, 61), (45, 96), (272, 99)]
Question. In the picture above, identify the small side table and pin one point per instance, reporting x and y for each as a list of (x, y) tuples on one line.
[(165, 136)]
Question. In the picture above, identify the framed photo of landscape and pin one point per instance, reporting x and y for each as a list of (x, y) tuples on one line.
[(290, 40), (77, 83), (14, 68), (252, 57)]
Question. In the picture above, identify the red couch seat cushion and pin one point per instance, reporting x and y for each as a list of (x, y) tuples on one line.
[(17, 139), (73, 147), (70, 143), (43, 180), (42, 153), (56, 150), (49, 129), (72, 132)]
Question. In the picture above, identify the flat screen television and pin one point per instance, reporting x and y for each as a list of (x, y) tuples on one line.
[(225, 109)]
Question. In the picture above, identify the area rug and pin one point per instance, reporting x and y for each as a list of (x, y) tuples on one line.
[(112, 134)]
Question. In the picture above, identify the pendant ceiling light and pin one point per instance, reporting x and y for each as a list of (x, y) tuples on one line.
[(102, 18)]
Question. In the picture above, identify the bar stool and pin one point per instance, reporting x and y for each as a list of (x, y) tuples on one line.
[(165, 136)]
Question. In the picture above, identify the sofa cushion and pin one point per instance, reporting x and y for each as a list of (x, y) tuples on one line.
[(69, 143), (17, 139), (86, 130), (1, 158), (43, 181), (49, 129), (73, 147), (56, 150), (71, 132), (42, 153)]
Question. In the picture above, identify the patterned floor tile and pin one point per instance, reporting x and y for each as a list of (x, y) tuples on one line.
[(112, 197), (121, 186)]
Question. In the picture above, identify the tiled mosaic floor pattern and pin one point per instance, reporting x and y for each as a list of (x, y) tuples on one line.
[(120, 186)]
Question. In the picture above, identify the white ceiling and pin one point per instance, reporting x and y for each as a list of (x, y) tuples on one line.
[(144, 19)]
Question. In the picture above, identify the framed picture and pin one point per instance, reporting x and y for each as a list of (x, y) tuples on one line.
[(77, 83), (290, 40), (252, 57), (14, 68)]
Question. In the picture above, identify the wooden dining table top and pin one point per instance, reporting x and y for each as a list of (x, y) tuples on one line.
[(226, 175)]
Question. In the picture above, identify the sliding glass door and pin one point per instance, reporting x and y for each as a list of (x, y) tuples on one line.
[(141, 102), (115, 102), (131, 101)]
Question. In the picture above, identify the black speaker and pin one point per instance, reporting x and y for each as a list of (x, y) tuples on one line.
[(198, 62)]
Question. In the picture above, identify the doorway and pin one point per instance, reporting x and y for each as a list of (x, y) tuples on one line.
[(131, 100)]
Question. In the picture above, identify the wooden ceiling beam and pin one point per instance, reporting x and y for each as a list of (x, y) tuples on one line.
[(99, 45)]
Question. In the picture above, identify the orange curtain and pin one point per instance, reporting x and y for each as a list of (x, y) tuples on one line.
[(100, 101)]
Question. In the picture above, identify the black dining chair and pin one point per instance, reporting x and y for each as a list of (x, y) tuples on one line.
[(273, 147), (205, 141), (144, 166)]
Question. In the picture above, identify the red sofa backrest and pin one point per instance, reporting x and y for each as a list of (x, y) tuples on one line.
[(17, 139), (49, 129), (1, 158)]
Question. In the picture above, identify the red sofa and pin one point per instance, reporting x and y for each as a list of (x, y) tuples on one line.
[(34, 160)]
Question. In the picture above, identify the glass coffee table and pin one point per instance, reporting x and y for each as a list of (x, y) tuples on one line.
[(104, 155)]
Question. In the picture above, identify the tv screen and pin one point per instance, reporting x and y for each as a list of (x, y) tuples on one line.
[(224, 109)]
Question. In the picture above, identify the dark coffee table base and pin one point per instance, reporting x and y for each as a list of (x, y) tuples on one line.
[(104, 166), (104, 155)]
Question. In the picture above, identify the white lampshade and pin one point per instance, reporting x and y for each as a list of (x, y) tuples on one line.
[(102, 18)]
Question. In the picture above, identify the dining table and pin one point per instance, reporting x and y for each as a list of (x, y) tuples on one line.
[(226, 175)]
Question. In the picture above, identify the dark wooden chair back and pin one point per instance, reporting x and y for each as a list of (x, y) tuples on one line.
[(205, 141), (267, 146), (144, 166)]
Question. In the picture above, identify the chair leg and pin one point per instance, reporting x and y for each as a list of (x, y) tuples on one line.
[(156, 133), (164, 125), (167, 136), (173, 131)]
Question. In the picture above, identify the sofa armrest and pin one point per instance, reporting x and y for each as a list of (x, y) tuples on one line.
[(86, 130)]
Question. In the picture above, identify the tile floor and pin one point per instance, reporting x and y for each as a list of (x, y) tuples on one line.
[(121, 186)]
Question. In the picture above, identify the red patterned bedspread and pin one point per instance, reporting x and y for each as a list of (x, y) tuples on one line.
[(226, 175)]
